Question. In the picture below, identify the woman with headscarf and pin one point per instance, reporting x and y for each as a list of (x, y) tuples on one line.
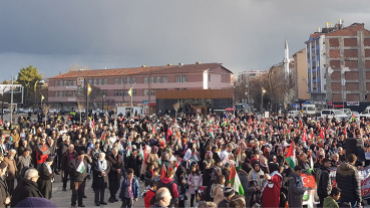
[(152, 158), (271, 187)]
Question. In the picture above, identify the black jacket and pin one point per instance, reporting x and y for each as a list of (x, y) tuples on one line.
[(224, 204), (25, 188), (73, 165), (324, 188), (3, 192), (349, 182), (44, 181)]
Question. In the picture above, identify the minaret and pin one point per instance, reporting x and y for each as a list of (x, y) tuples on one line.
[(286, 59)]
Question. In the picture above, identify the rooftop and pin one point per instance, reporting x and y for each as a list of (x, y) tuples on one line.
[(168, 69)]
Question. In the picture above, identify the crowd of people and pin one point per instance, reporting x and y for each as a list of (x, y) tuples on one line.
[(189, 161)]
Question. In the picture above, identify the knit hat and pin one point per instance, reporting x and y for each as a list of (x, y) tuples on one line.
[(228, 192), (35, 202)]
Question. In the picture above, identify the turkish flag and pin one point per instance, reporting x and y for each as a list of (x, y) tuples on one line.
[(308, 180)]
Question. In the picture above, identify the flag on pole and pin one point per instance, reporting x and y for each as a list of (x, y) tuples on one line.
[(81, 167), (129, 92), (129, 150), (290, 156), (311, 164), (235, 181), (353, 118), (102, 137), (89, 89), (42, 98), (141, 153), (169, 133), (211, 133), (322, 135), (195, 157)]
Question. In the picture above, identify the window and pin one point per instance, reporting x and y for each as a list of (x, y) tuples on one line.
[(116, 81), (69, 82), (100, 81), (158, 79), (55, 84), (178, 78), (127, 80), (90, 81), (69, 93), (133, 92), (74, 93), (105, 92), (55, 94), (105, 81), (164, 79), (122, 80), (74, 82), (152, 92), (60, 93), (60, 83), (151, 79), (145, 80), (145, 92), (116, 93), (64, 94), (65, 83), (96, 82), (184, 78)]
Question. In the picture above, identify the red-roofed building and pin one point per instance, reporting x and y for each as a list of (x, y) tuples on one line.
[(145, 81)]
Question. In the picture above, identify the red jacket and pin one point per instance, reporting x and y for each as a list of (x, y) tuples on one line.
[(271, 191), (148, 196)]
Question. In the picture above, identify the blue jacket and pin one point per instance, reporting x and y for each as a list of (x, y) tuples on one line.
[(135, 187)]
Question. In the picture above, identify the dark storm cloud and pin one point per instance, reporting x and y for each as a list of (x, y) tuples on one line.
[(244, 35)]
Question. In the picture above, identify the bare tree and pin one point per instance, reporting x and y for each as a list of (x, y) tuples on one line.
[(239, 89), (45, 109)]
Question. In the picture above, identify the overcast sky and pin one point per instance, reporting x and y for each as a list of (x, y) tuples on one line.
[(243, 35)]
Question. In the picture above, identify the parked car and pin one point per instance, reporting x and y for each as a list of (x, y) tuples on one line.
[(346, 111), (334, 113)]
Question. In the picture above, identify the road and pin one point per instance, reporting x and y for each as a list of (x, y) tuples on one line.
[(63, 198)]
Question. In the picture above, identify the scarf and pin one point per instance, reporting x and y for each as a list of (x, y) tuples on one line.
[(130, 192), (102, 165), (49, 168)]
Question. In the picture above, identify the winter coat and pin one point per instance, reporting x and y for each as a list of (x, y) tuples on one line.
[(158, 205), (77, 176), (16, 139), (134, 163), (117, 164), (248, 190), (295, 191), (348, 181), (324, 185), (148, 197), (25, 188), (135, 188), (152, 159), (192, 181), (218, 193), (271, 191), (330, 203), (3, 193), (223, 204), (12, 168), (207, 175), (64, 165), (98, 181), (255, 176), (44, 181), (22, 163), (172, 187)]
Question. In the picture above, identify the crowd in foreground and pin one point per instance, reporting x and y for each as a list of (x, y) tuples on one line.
[(229, 160)]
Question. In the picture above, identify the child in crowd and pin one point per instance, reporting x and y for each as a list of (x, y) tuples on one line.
[(194, 181), (149, 193)]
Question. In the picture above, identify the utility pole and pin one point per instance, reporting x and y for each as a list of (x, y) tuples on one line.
[(87, 104), (11, 102)]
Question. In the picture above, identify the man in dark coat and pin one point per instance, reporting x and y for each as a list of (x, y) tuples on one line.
[(114, 174), (4, 194), (27, 187), (324, 187), (101, 168), (78, 168), (348, 181), (46, 177), (134, 162), (67, 157)]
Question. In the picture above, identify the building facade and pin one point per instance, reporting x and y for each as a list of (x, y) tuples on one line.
[(300, 75), (338, 63), (64, 89), (246, 76)]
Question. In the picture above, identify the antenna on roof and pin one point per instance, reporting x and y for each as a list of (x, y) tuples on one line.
[(105, 67)]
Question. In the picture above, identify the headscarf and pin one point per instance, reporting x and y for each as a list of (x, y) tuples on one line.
[(154, 150)]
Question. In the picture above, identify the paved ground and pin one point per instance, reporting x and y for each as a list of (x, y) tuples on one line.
[(63, 198)]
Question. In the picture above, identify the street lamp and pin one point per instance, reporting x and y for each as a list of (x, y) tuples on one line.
[(263, 92), (102, 102)]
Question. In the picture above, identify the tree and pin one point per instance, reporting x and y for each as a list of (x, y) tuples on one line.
[(240, 90), (28, 77), (45, 109)]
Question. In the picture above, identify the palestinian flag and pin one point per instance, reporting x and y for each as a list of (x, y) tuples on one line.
[(211, 133), (179, 144), (141, 153), (129, 150), (290, 156), (235, 181), (195, 157), (311, 164), (300, 124), (102, 138), (81, 167), (225, 122), (353, 118)]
